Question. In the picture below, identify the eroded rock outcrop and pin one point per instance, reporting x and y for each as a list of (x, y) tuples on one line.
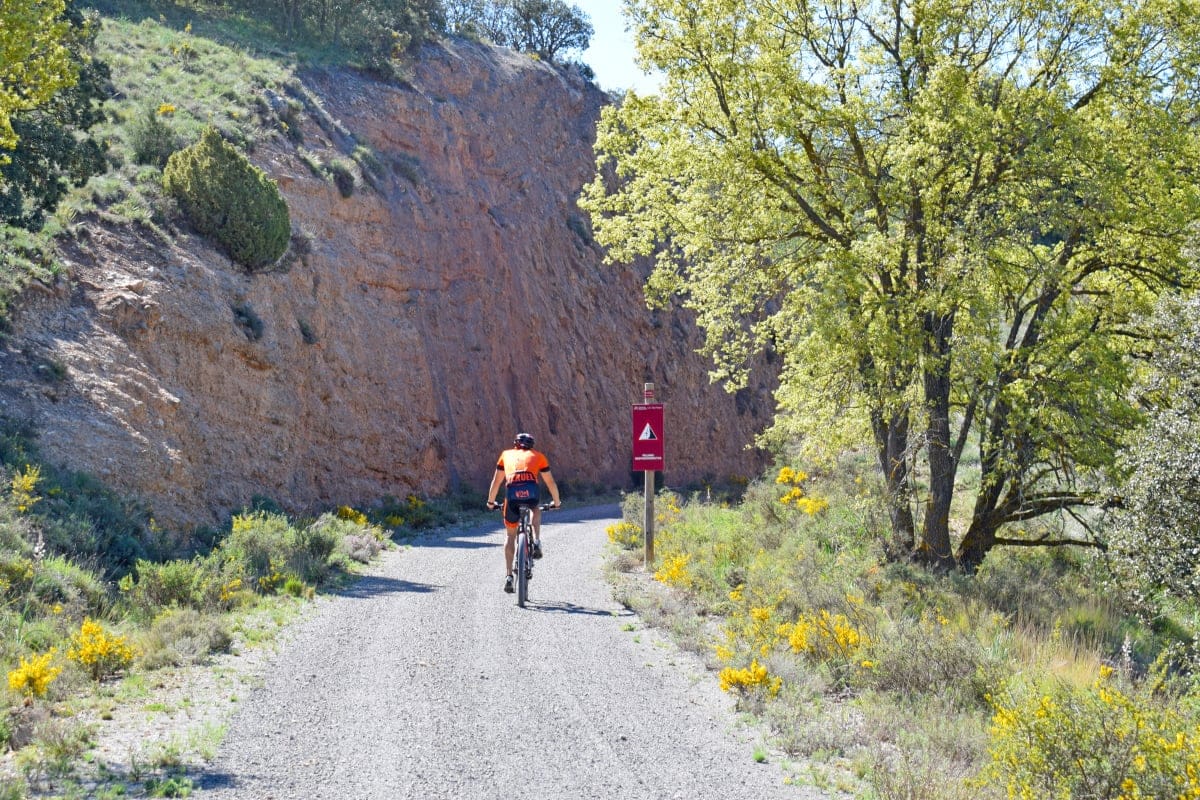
[(430, 318)]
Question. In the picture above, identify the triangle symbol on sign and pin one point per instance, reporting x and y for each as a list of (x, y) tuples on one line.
[(647, 434)]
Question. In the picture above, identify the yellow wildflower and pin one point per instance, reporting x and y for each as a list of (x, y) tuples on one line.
[(101, 653), (34, 676)]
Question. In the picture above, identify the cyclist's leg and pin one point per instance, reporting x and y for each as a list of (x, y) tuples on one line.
[(510, 549), (511, 518)]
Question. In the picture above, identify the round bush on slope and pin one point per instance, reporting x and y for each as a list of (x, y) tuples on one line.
[(228, 198)]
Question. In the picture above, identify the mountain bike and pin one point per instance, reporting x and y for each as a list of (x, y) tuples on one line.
[(523, 560)]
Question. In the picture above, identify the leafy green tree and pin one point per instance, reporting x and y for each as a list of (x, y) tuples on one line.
[(54, 151), (947, 218), (548, 28), (479, 19), (370, 28), (35, 61), (230, 199), (1156, 535)]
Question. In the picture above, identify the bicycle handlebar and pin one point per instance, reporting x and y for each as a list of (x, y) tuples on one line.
[(494, 506)]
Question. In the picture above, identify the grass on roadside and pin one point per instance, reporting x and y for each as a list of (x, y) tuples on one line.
[(906, 683)]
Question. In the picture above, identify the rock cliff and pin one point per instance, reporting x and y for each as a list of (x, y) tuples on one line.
[(427, 320)]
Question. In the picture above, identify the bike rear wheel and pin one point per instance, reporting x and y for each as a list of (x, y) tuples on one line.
[(522, 568)]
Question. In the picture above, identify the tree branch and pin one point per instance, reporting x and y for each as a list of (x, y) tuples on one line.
[(1050, 543)]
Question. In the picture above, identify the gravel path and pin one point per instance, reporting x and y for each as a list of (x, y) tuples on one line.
[(425, 680)]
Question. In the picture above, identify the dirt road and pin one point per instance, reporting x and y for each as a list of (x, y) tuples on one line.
[(425, 680)]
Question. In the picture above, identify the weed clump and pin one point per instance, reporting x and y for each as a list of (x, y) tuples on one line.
[(182, 636)]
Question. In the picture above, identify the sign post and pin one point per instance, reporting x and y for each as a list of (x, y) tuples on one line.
[(648, 451)]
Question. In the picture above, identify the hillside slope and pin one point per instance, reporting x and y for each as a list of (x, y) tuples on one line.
[(433, 315)]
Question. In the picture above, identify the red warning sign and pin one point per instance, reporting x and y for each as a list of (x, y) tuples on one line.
[(648, 437)]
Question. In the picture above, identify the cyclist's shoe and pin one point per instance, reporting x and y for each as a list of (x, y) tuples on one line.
[(529, 574), (537, 549), (508, 584)]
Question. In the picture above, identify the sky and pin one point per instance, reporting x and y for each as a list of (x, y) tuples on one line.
[(611, 54)]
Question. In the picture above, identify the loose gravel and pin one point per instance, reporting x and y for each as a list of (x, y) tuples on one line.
[(425, 680)]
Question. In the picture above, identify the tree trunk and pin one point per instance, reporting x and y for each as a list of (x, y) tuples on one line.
[(979, 541), (891, 439), (986, 517), (935, 548)]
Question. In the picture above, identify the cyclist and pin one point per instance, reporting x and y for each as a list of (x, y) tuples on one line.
[(520, 468)]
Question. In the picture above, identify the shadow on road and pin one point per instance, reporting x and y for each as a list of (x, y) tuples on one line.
[(457, 540), (376, 585), (212, 781), (571, 608), (475, 536)]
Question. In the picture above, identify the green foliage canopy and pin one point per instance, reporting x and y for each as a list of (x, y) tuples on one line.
[(1156, 535), (546, 27), (35, 62), (230, 199), (374, 29), (52, 154), (947, 218)]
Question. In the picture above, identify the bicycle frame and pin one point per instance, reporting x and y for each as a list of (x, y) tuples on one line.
[(524, 554)]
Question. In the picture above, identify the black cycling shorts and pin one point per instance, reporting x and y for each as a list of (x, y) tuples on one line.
[(517, 495)]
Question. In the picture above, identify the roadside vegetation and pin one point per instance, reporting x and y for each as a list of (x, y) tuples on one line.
[(1051, 671), (1040, 676), (96, 599)]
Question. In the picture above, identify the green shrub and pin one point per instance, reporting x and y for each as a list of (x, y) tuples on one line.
[(15, 531), (171, 583), (372, 168), (932, 655), (59, 581), (1155, 537), (184, 636), (412, 512), (77, 515), (259, 544), (295, 587), (170, 786), (6, 732), (16, 575), (39, 634), (312, 558), (269, 550), (60, 744), (228, 198), (152, 138), (307, 334)]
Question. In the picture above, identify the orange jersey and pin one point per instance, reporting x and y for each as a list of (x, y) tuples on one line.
[(519, 465)]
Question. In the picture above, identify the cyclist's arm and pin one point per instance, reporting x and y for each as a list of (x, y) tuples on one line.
[(497, 479), (551, 485)]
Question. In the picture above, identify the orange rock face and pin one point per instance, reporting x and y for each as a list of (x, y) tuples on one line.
[(433, 316)]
